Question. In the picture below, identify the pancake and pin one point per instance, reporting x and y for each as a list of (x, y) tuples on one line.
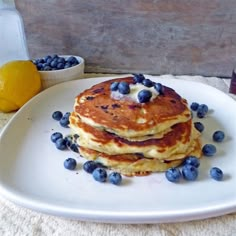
[(134, 164), (174, 143), (131, 137), (128, 164), (125, 117)]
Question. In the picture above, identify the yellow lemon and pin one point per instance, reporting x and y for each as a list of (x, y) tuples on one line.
[(19, 82)]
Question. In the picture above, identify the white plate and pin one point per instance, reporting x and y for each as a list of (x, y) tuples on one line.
[(32, 173)]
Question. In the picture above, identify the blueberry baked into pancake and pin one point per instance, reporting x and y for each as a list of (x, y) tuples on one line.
[(134, 125)]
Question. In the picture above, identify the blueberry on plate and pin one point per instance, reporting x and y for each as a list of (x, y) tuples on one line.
[(190, 172), (70, 163), (194, 106), (69, 141), (100, 174), (55, 136), (138, 78), (57, 115), (216, 173), (173, 174), (202, 110), (144, 96), (199, 126), (192, 160), (115, 178), (74, 147), (75, 136), (61, 144), (90, 166), (148, 83), (67, 114), (123, 87), (218, 136), (209, 150), (114, 86), (64, 121)]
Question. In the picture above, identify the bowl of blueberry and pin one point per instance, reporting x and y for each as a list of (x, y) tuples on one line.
[(56, 69)]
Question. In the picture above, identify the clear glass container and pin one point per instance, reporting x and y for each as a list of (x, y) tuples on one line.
[(13, 44)]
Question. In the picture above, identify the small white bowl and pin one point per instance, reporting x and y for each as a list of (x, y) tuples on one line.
[(53, 77)]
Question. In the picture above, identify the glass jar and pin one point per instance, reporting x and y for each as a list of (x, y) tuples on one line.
[(12, 36)]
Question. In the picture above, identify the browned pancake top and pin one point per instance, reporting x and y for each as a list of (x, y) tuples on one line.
[(97, 104)]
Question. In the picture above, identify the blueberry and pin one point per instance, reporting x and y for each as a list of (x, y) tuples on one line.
[(56, 136), (69, 141), (74, 147), (47, 68), (159, 88), (203, 107), (192, 160), (40, 60), (144, 96), (148, 83), (202, 111), (199, 126), (61, 144), (75, 136), (57, 115), (60, 66), (114, 86), (173, 174), (61, 60), (123, 87), (218, 136), (48, 59), (190, 172), (55, 56), (70, 163), (100, 174), (72, 60), (209, 150), (64, 121), (90, 166), (138, 78), (67, 114), (194, 106), (75, 63), (53, 64), (67, 65), (216, 173), (39, 66), (115, 178)]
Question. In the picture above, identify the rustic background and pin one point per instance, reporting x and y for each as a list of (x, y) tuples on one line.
[(146, 36)]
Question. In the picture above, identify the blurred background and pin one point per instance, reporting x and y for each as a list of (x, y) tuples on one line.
[(183, 37)]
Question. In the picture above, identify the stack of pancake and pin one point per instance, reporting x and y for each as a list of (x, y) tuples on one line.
[(130, 137)]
